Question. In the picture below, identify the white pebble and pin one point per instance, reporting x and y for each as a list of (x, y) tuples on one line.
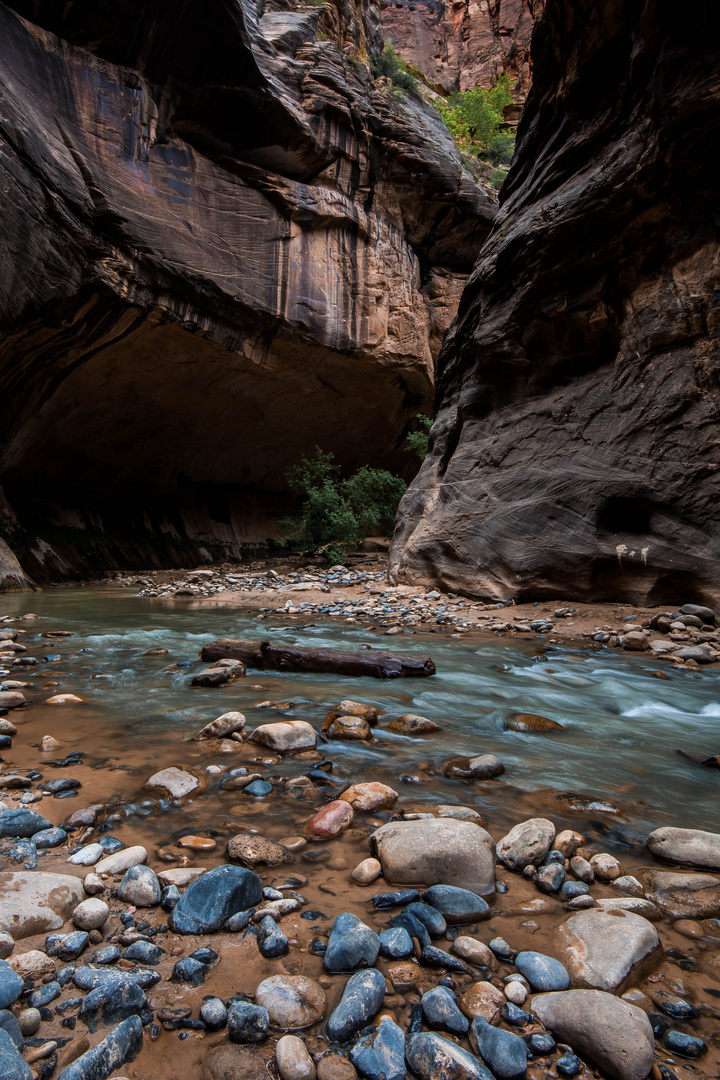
[(87, 856), (293, 1060), (515, 992), (91, 914), (367, 871)]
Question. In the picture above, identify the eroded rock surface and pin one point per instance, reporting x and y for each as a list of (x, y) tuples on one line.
[(569, 454)]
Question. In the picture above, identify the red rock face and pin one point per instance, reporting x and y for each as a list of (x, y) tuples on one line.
[(573, 453), (461, 44)]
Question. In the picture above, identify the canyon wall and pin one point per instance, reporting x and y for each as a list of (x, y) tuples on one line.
[(223, 244), (461, 44), (575, 450)]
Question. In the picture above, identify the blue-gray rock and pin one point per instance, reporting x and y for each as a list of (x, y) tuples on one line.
[(205, 955), (58, 787), (140, 887), (9, 1024), (213, 1013), (45, 994), (12, 1065), (110, 1004), (438, 958), (107, 955), (271, 940), (352, 944), (169, 897), (414, 927), (571, 889), (504, 1053), (122, 1045), (67, 946), (258, 789), (431, 1057), (22, 823), (361, 999), (239, 921), (395, 899), (551, 878), (189, 971), (19, 851), (568, 1065), (88, 977), (540, 1043), (441, 1011), (501, 949), (685, 1045), (674, 1006), (380, 1055), (214, 897), (65, 974), (430, 917), (247, 1023), (110, 844), (544, 973), (49, 838), (395, 943), (143, 952), (11, 985), (457, 905), (514, 1015)]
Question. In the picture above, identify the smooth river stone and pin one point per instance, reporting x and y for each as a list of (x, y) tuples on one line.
[(361, 999), (431, 1057), (456, 905), (380, 1055), (437, 851), (542, 972), (175, 782), (121, 861), (227, 724), (12, 1065), (526, 844), (609, 950), (687, 847), (293, 1059), (366, 798), (684, 896), (22, 823), (410, 724), (214, 897), (329, 822), (33, 903), (615, 1035), (440, 1010), (291, 1001), (140, 887), (351, 944), (504, 1052), (285, 736), (254, 850)]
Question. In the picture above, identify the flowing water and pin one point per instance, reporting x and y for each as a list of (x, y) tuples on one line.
[(622, 723)]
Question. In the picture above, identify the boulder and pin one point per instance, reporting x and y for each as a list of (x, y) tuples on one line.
[(526, 844), (285, 736), (177, 783), (410, 724), (615, 1035), (291, 1001), (687, 847), (609, 950), (349, 728), (22, 823), (436, 851), (637, 904), (367, 798), (33, 903), (684, 896), (227, 724), (214, 897), (11, 699)]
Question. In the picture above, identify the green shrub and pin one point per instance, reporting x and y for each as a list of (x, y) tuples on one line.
[(473, 117), (417, 441), (392, 66), (336, 511), (497, 178), (501, 148)]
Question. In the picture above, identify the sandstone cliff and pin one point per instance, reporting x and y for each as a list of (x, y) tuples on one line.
[(575, 448), (223, 243), (461, 44)]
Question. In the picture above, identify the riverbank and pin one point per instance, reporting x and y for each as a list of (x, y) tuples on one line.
[(361, 592)]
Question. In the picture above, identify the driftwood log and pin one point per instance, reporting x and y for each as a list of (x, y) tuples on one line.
[(265, 655)]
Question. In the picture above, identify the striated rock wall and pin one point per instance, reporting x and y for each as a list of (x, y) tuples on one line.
[(575, 451), (461, 44), (223, 244)]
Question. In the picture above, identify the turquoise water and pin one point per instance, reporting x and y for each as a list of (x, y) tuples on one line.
[(622, 724)]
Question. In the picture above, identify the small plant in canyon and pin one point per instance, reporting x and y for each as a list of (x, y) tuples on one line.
[(417, 441), (393, 67), (338, 513), (473, 118)]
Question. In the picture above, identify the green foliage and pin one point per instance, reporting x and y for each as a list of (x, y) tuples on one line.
[(417, 441), (497, 178), (473, 117), (501, 148), (394, 68), (339, 512)]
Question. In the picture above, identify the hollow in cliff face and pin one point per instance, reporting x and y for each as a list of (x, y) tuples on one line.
[(575, 448), (223, 245)]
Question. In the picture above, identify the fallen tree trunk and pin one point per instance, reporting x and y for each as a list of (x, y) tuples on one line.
[(265, 655)]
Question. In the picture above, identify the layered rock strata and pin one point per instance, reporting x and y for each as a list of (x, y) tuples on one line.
[(223, 244), (574, 451)]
